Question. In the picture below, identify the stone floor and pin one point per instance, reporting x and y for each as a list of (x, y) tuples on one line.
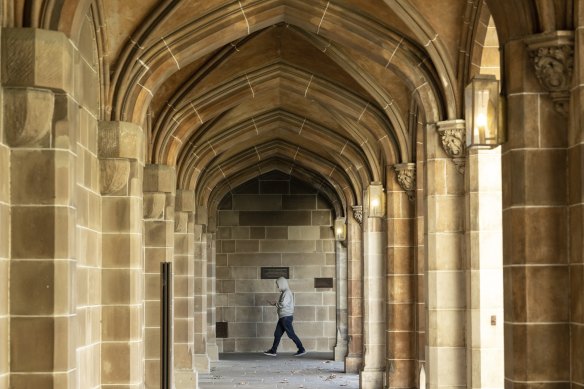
[(257, 371)]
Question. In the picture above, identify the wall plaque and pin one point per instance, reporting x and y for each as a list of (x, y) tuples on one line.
[(221, 329), (272, 273), (323, 282)]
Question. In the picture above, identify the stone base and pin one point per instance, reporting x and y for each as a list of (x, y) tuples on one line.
[(202, 363), (340, 352), (353, 364), (213, 352), (371, 379), (186, 379)]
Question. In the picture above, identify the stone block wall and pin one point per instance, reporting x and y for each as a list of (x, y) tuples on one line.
[(84, 107), (274, 221), (200, 299), (159, 209), (576, 217), (50, 158), (51, 249), (354, 358), (4, 258), (535, 239), (445, 275)]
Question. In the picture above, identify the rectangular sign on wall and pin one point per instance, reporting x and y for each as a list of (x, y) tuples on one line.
[(221, 329), (323, 283), (272, 273)]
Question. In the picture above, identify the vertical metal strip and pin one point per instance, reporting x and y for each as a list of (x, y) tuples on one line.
[(165, 323)]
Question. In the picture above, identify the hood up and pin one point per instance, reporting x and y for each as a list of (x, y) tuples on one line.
[(282, 283)]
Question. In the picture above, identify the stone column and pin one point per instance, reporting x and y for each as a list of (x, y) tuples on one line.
[(121, 172), (535, 220), (212, 349), (341, 346), (4, 259), (38, 294), (371, 375), (420, 255), (202, 362), (445, 282), (159, 188), (484, 261), (184, 288), (576, 208), (401, 278), (354, 359)]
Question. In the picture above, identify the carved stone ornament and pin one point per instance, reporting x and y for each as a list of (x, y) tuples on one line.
[(358, 213), (28, 115), (553, 59), (406, 178), (453, 138), (114, 174)]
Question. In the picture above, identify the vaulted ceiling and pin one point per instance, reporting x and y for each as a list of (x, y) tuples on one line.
[(331, 92), (234, 89)]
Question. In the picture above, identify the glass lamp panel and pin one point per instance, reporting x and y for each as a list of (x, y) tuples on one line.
[(482, 111), (340, 229), (376, 201)]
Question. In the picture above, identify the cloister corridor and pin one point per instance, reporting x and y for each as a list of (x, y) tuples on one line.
[(413, 168)]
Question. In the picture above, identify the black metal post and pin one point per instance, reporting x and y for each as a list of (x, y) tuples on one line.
[(165, 324)]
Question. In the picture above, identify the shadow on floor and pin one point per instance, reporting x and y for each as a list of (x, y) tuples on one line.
[(319, 356), (258, 371)]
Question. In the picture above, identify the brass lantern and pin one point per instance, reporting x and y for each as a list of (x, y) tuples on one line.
[(376, 200), (340, 229), (483, 112)]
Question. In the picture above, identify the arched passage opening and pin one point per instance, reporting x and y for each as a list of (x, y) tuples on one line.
[(275, 224)]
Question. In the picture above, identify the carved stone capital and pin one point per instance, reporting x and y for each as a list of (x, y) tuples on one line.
[(453, 139), (153, 205), (406, 178), (553, 60), (28, 115), (114, 174), (358, 213)]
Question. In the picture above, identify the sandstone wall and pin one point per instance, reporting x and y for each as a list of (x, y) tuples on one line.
[(274, 222)]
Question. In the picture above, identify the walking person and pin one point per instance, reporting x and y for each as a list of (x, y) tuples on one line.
[(285, 306)]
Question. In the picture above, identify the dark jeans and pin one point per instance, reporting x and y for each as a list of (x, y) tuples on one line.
[(285, 325)]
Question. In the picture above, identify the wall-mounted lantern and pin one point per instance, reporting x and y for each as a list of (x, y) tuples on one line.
[(483, 112), (340, 229), (376, 200)]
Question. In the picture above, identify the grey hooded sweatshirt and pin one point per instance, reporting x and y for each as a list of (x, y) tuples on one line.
[(285, 304)]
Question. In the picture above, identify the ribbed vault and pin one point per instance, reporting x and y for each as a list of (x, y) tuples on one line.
[(277, 94), (330, 92)]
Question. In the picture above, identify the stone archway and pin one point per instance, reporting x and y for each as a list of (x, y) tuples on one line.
[(275, 223)]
